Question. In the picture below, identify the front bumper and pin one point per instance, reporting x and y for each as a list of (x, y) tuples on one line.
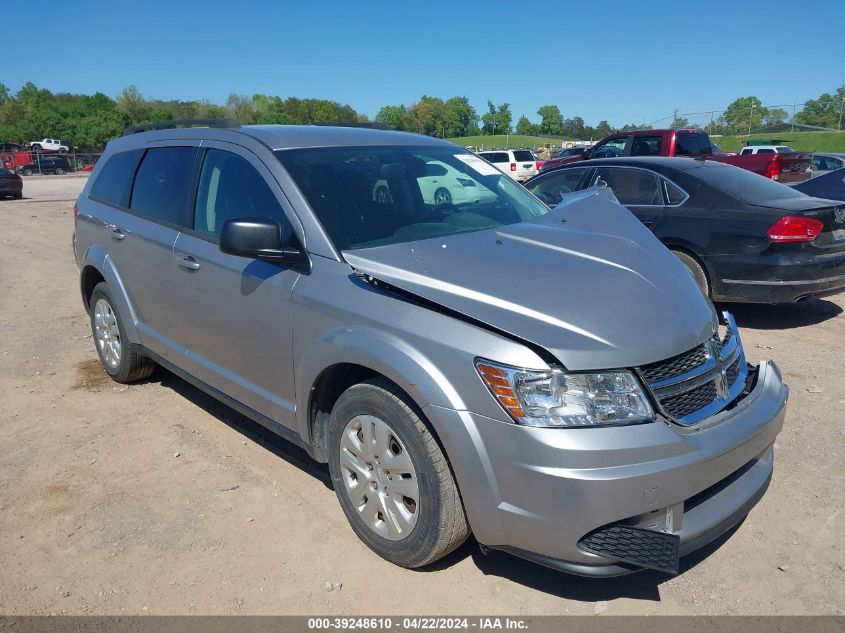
[(538, 492)]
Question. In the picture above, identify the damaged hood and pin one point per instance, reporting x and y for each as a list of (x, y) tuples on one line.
[(587, 282)]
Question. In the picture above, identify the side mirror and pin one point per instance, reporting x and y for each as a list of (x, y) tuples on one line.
[(257, 238)]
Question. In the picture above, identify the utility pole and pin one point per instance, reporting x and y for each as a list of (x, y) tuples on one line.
[(674, 117), (750, 116), (794, 105), (841, 107)]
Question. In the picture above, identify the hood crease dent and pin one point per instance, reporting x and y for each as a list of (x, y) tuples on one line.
[(587, 282)]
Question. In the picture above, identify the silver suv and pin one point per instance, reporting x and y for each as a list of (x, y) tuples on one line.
[(551, 380)]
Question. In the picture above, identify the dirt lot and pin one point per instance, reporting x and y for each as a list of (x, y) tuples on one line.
[(154, 499)]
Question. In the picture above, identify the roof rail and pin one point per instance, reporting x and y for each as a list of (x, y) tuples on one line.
[(177, 123), (374, 125)]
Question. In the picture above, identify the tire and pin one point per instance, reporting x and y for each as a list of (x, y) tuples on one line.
[(27, 172), (442, 196), (120, 361), (697, 271), (59, 171), (430, 525), (35, 147), (382, 195), (18, 196)]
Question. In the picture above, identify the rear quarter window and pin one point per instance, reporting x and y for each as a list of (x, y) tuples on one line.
[(162, 182), (115, 178), (496, 157)]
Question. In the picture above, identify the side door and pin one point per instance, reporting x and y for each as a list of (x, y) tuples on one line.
[(551, 187), (614, 147), (640, 190), (235, 314), (141, 243)]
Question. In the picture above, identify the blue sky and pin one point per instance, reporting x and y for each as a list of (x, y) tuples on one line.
[(620, 61)]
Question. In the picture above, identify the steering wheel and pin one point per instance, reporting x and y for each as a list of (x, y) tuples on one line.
[(440, 211)]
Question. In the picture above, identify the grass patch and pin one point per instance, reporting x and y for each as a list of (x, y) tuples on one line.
[(799, 141), (500, 141)]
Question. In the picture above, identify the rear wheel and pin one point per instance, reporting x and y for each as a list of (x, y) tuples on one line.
[(27, 172), (442, 196), (391, 478), (697, 271), (119, 359), (59, 171)]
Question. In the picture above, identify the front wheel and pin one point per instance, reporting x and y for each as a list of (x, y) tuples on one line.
[(391, 477), (27, 172), (59, 171)]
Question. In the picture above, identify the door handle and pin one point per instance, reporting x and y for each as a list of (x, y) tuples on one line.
[(187, 262), (117, 232)]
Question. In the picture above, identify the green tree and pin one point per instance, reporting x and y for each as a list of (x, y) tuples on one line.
[(824, 111), (427, 116), (551, 120), (775, 116), (603, 129), (524, 126), (575, 129), (132, 103), (743, 113), (460, 117), (392, 115), (680, 123), (160, 113)]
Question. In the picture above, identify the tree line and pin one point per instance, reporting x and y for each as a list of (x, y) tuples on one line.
[(89, 121)]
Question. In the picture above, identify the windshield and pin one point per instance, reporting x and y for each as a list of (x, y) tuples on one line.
[(373, 196), (743, 184)]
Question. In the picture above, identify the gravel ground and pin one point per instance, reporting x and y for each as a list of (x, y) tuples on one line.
[(154, 499)]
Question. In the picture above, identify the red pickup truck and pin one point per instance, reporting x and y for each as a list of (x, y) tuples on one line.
[(785, 168)]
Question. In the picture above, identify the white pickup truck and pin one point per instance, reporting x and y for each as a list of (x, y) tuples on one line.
[(49, 144)]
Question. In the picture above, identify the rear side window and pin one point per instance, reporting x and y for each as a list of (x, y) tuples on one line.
[(631, 186), (765, 151), (673, 194), (496, 157), (161, 185), (687, 144), (647, 145), (115, 178), (551, 187), (523, 156), (231, 188)]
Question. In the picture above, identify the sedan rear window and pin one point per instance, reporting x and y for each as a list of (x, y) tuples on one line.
[(743, 184), (374, 196)]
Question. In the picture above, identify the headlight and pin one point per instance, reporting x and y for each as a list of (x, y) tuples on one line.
[(557, 399)]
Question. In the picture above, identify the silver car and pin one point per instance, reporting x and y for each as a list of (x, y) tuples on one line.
[(550, 380)]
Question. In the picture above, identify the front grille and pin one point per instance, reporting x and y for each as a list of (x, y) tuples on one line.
[(690, 401), (733, 372), (675, 366), (636, 546), (689, 387)]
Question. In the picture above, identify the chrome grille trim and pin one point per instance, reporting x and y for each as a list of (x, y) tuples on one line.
[(725, 369)]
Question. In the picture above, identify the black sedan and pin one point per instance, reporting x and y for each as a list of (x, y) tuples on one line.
[(10, 184), (744, 237)]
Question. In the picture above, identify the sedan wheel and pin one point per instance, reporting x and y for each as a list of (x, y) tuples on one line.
[(442, 196)]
